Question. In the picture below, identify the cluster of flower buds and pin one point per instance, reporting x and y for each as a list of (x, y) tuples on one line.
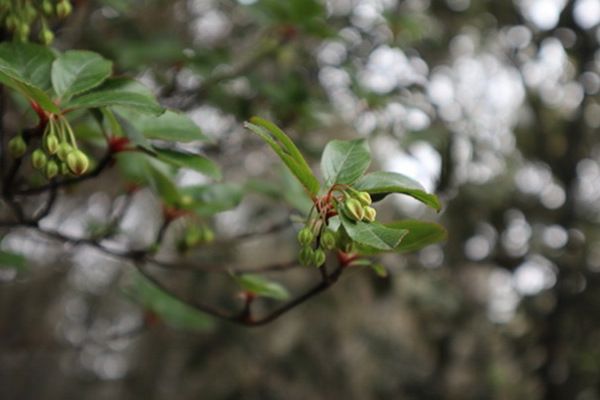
[(357, 207), (311, 251), (58, 154), (195, 235), (18, 16)]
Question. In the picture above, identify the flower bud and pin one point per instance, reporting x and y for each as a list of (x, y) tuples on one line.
[(208, 235), (305, 236), (51, 169), (47, 7), (46, 36), (51, 144), (370, 214), (63, 8), (23, 31), (38, 159), (318, 258), (327, 240), (63, 151), (353, 209), (193, 236), (64, 169), (78, 162), (11, 22), (364, 198), (17, 146), (306, 256)]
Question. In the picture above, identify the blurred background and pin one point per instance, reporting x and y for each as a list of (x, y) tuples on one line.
[(493, 105)]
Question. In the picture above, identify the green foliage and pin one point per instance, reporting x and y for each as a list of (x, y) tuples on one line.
[(261, 286), (169, 309), (12, 260), (380, 184), (344, 162), (287, 151), (349, 196), (76, 71)]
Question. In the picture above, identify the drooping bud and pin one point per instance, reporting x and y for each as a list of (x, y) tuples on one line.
[(47, 7), (78, 162), (353, 209), (318, 258), (327, 240), (46, 36), (370, 214), (17, 146), (51, 169), (64, 169), (63, 8), (193, 236), (306, 256), (364, 198), (208, 235), (23, 31), (38, 159), (63, 151), (305, 236), (51, 144)]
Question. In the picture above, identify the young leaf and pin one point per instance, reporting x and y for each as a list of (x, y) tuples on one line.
[(78, 71), (171, 310), (118, 92), (287, 151), (286, 142), (262, 287), (12, 260), (373, 234), (187, 160), (31, 61), (382, 183), (345, 161)]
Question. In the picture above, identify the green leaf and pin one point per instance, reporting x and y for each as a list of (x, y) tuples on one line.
[(12, 260), (187, 160), (120, 124), (344, 161), (262, 287), (118, 92), (171, 310), (283, 146), (171, 126), (133, 166), (213, 198), (31, 61), (163, 185), (25, 68), (78, 71), (420, 234), (382, 183), (373, 234), (379, 270)]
